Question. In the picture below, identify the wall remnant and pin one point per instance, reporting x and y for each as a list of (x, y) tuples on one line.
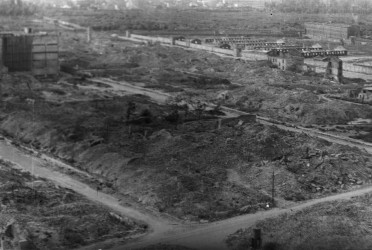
[(38, 54), (291, 60), (334, 68), (366, 94)]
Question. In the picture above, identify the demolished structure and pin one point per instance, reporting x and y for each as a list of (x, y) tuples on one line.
[(366, 94), (290, 60), (330, 66), (27, 52)]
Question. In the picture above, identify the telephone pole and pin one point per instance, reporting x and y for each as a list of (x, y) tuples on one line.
[(273, 189), (1, 90)]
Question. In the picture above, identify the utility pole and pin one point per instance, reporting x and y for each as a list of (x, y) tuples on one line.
[(2, 71), (32, 157), (273, 189), (1, 83)]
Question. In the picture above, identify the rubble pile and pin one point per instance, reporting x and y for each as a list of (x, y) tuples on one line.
[(54, 218), (343, 224), (285, 96), (184, 169)]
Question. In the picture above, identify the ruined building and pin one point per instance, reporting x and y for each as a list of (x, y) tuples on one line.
[(366, 94), (291, 60), (331, 67), (334, 68), (36, 53)]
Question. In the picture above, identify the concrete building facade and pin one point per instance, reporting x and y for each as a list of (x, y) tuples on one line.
[(330, 31), (291, 60)]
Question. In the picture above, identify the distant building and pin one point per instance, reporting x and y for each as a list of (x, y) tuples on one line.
[(340, 48), (308, 53), (225, 46), (196, 41), (366, 94), (280, 42), (330, 31), (317, 46), (180, 38), (291, 60)]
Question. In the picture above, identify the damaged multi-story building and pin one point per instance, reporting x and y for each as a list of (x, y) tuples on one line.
[(326, 62)]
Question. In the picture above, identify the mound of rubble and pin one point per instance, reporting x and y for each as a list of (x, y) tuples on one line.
[(333, 225), (42, 216), (192, 170)]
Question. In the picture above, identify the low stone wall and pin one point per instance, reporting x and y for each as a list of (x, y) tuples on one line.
[(67, 24), (181, 43), (247, 55), (152, 39), (350, 70), (187, 43), (212, 49), (315, 65), (357, 68), (254, 55)]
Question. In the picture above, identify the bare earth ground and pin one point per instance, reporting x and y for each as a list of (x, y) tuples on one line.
[(189, 169), (52, 217), (330, 225)]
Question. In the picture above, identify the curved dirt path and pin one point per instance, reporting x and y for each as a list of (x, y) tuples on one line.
[(212, 236), (162, 230), (36, 166), (207, 236)]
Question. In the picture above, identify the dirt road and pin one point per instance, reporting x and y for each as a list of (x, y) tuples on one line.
[(208, 236), (36, 167), (332, 99), (211, 236), (161, 97), (125, 87)]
